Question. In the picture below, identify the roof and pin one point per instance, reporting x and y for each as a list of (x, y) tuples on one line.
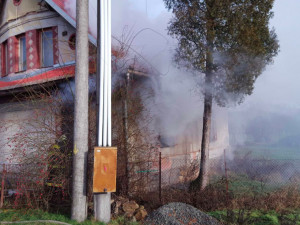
[(37, 77), (60, 7)]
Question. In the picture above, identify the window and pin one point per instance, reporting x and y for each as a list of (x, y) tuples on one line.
[(0, 60), (5, 59), (72, 42), (22, 53), (46, 48)]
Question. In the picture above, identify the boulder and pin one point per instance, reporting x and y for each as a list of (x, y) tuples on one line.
[(141, 213), (130, 207)]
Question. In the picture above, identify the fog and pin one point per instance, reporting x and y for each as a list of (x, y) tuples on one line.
[(273, 110), (275, 102)]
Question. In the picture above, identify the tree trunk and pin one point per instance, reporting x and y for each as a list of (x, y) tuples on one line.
[(79, 204), (203, 178), (204, 164)]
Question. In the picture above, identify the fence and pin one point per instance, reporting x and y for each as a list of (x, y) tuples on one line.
[(239, 175), (160, 174), (28, 185), (13, 181)]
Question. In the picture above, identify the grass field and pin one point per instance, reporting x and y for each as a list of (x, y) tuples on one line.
[(269, 152), (257, 217)]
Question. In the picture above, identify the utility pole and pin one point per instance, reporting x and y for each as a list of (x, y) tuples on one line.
[(102, 207), (80, 151)]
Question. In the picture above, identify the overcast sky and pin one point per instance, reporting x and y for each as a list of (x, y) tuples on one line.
[(279, 84), (277, 87)]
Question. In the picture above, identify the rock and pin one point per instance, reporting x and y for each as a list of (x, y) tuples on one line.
[(130, 207), (116, 206), (141, 214), (177, 213), (128, 215), (122, 199), (133, 219)]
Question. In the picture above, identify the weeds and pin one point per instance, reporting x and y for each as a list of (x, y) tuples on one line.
[(34, 215)]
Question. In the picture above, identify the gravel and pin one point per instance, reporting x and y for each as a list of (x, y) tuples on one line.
[(177, 213)]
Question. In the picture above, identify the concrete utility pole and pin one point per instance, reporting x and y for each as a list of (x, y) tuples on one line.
[(79, 204), (102, 206)]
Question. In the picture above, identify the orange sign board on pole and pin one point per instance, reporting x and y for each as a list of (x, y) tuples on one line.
[(105, 169)]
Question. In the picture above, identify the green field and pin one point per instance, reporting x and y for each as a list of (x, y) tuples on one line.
[(269, 152), (256, 217)]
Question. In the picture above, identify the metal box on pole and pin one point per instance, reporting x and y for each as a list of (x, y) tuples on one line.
[(105, 169)]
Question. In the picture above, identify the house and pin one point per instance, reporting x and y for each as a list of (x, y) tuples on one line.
[(37, 48)]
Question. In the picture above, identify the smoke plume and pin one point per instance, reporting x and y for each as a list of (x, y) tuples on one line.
[(177, 98)]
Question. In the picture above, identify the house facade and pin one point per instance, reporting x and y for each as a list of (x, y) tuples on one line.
[(37, 49)]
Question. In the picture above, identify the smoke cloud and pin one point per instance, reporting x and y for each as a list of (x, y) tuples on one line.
[(177, 97)]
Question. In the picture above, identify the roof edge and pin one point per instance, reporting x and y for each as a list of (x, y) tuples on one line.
[(69, 19)]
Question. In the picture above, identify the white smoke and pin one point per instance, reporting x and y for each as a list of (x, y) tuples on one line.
[(178, 101)]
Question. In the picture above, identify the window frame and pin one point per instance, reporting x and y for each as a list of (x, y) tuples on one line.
[(41, 50), (5, 58), (1, 46), (72, 44), (21, 66)]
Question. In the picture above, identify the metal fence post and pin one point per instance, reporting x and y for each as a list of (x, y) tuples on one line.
[(160, 177), (2, 187)]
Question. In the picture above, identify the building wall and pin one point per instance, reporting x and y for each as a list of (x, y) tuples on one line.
[(12, 11), (30, 17), (189, 142), (26, 127)]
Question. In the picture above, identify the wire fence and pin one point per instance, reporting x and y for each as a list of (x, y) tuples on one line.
[(28, 185), (13, 181), (240, 175)]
